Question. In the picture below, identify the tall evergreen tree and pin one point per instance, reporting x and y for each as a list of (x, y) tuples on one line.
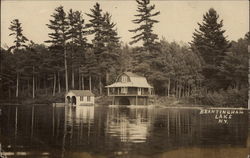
[(211, 44), (110, 57), (32, 63), (111, 38), (19, 41), (96, 25), (96, 28), (105, 43), (17, 31), (235, 64), (145, 20), (78, 42), (59, 37)]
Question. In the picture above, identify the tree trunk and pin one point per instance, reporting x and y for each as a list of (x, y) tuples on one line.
[(45, 86), (189, 89), (33, 83), (107, 78), (176, 89), (17, 84), (9, 92), (58, 80), (54, 85), (66, 69), (185, 89), (73, 79), (36, 83), (180, 89), (28, 87), (100, 85), (166, 89), (90, 87), (169, 83), (82, 82), (79, 79), (195, 98)]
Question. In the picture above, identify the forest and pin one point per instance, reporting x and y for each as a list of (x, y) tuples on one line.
[(209, 70)]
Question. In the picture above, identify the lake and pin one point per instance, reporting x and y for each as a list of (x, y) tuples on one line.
[(110, 132)]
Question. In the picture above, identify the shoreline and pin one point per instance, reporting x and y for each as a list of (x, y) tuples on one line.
[(179, 107), (162, 102), (138, 106)]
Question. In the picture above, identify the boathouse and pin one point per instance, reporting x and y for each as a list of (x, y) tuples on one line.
[(130, 89), (80, 97)]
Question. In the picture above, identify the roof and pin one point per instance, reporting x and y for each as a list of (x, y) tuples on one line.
[(82, 92), (136, 81), (131, 74)]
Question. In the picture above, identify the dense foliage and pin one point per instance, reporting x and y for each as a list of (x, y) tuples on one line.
[(210, 71), (146, 22), (211, 44)]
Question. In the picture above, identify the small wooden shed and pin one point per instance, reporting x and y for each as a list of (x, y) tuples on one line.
[(80, 97)]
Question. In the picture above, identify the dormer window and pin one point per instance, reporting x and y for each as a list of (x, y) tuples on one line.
[(124, 79)]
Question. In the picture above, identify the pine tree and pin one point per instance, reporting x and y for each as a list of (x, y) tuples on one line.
[(59, 37), (111, 38), (78, 41), (105, 44), (211, 44), (247, 37), (33, 63), (98, 46), (110, 57), (19, 41), (235, 64), (96, 25), (146, 22), (17, 31)]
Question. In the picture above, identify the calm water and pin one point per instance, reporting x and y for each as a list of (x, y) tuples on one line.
[(111, 132)]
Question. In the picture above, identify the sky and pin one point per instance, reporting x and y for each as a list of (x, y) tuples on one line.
[(178, 19)]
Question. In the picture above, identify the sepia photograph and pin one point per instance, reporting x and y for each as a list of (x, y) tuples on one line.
[(125, 79)]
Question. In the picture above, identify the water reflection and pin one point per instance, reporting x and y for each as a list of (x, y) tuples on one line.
[(47, 131), (130, 125)]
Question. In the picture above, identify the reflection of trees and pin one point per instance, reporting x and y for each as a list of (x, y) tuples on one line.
[(113, 130), (185, 128), (79, 125)]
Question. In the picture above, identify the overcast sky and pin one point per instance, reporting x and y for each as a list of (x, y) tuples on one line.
[(178, 19)]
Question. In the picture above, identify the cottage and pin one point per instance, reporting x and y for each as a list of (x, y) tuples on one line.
[(80, 97), (130, 89)]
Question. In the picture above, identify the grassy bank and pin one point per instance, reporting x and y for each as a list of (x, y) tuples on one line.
[(41, 99), (171, 101)]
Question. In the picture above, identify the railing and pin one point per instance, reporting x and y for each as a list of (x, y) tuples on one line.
[(129, 94)]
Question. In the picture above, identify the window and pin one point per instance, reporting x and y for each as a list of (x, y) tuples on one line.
[(124, 90), (124, 78), (81, 98), (88, 98)]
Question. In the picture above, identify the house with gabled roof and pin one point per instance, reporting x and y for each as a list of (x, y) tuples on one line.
[(80, 97), (130, 89)]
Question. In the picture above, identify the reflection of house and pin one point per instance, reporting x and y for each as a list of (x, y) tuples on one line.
[(78, 97), (129, 125), (130, 89)]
